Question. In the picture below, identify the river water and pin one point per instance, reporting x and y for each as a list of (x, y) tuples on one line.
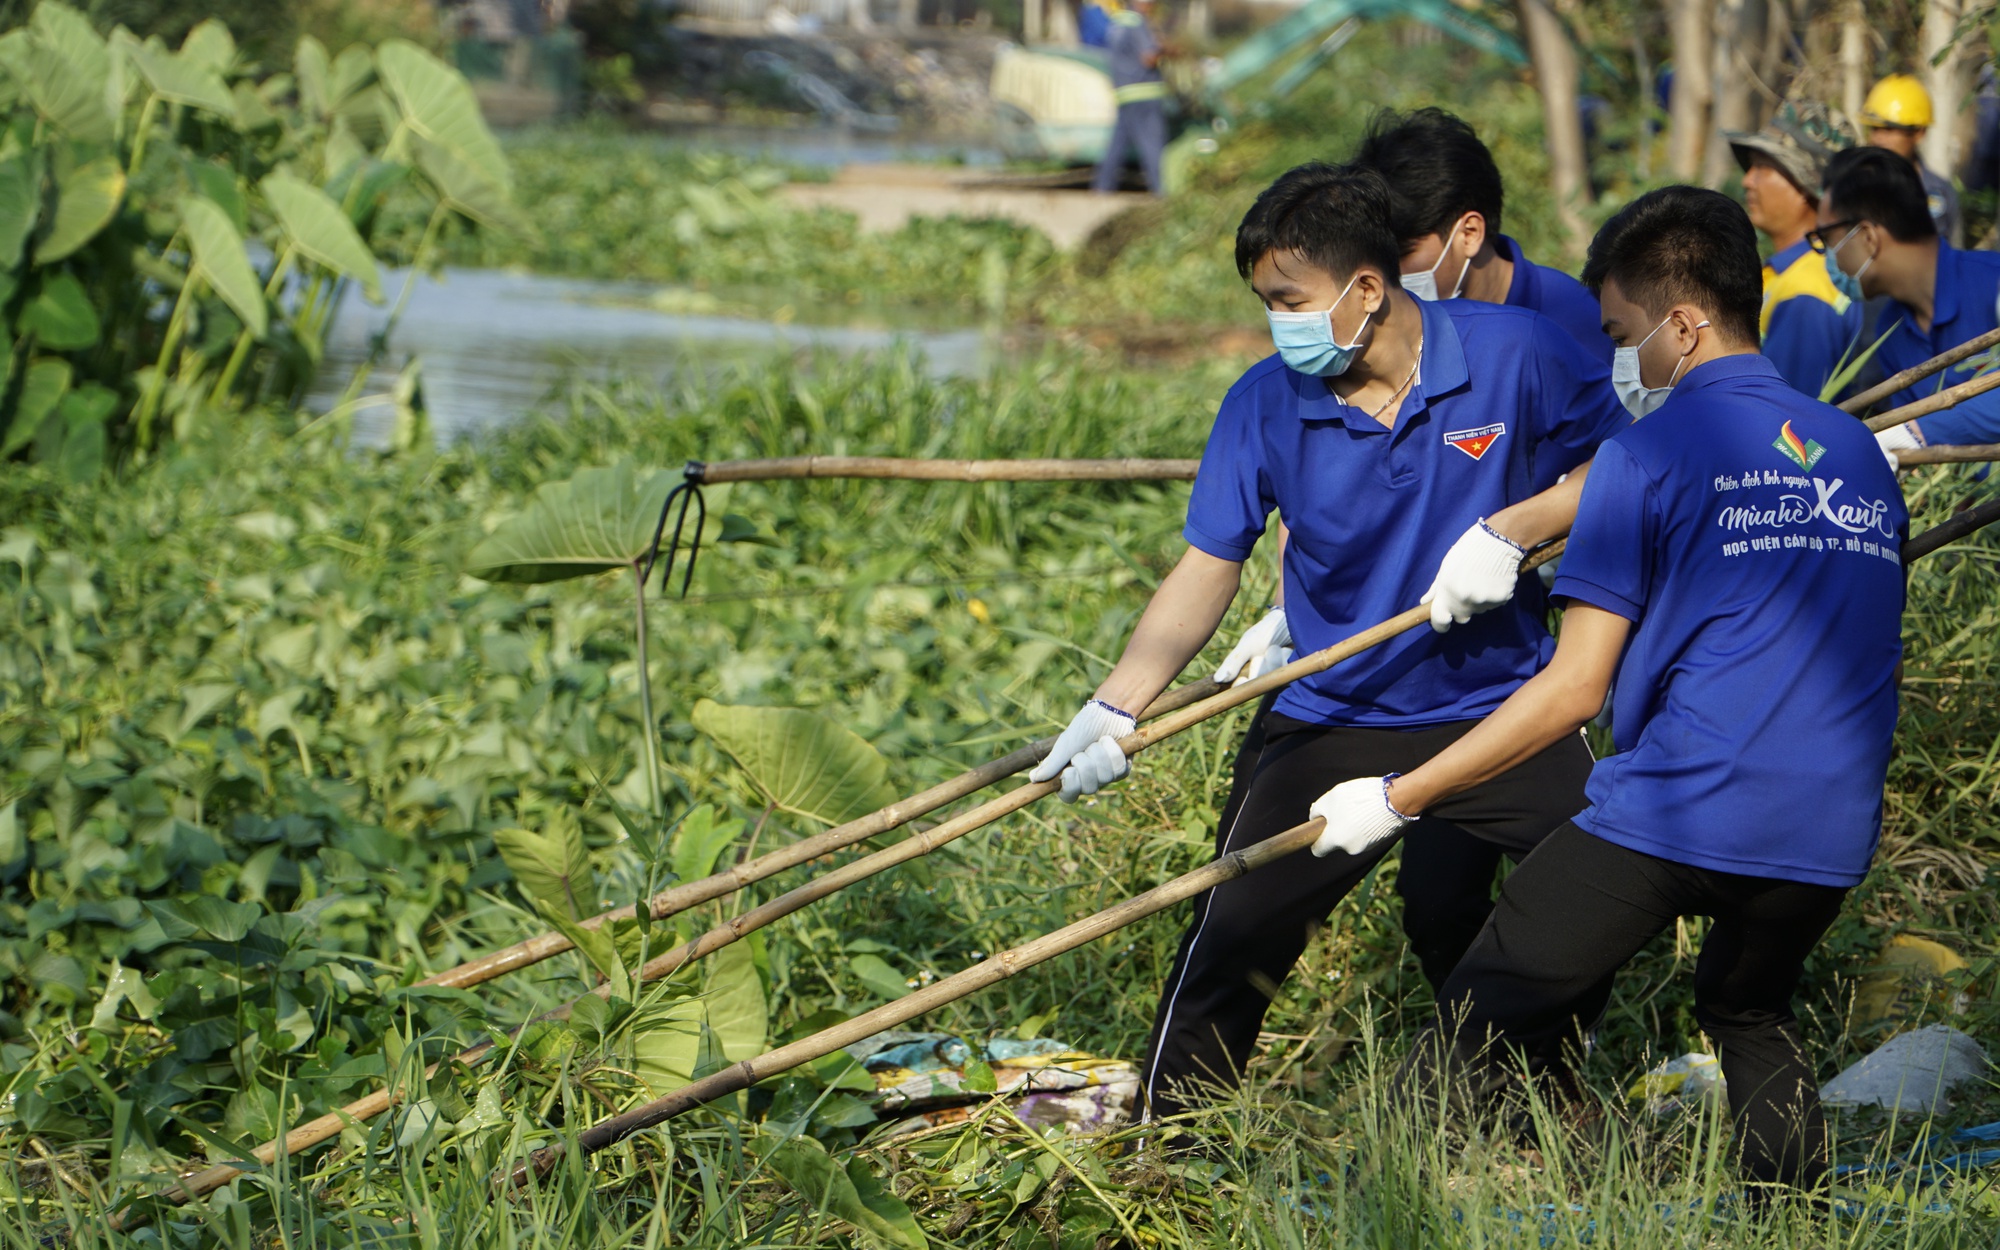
[(493, 345)]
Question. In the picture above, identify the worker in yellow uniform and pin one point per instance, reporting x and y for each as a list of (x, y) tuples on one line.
[(1897, 113), (1133, 49), (1808, 324)]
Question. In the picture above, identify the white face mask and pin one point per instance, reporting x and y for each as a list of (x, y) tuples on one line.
[(1425, 285), (1639, 399)]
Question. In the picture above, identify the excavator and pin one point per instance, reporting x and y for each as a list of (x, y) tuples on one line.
[(1054, 104)]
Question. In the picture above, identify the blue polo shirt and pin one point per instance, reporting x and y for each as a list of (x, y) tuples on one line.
[(1968, 284), (1504, 403), (1807, 324), (1559, 297), (1753, 536)]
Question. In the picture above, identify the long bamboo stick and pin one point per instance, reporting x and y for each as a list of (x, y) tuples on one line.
[(688, 894), (1935, 403), (1949, 453), (990, 971), (1917, 373), (918, 470)]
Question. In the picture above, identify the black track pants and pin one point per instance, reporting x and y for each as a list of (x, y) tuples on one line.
[(1245, 935), (1574, 912)]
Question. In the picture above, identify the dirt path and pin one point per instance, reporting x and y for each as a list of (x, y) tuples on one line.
[(884, 197)]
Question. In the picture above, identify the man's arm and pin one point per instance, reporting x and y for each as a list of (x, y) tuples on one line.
[(1539, 518), (1555, 702), (1177, 624)]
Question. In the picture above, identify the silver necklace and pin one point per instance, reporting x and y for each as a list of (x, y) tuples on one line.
[(1376, 415)]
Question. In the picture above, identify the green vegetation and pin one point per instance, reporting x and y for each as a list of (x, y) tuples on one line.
[(274, 751), (131, 178), (286, 725)]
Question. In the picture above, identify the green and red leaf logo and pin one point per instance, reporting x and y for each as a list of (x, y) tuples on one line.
[(1803, 452)]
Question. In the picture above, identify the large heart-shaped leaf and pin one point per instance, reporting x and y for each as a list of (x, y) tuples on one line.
[(87, 198), (553, 868), (211, 46), (600, 519), (317, 227), (20, 204), (42, 389), (468, 190), (699, 840), (803, 762), (666, 1045), (219, 256), (67, 68), (60, 315), (734, 997), (438, 104), (313, 72), (182, 79)]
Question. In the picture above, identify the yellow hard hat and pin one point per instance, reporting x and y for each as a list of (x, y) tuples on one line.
[(1898, 100)]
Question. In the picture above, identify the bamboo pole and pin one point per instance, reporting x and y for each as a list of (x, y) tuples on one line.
[(1917, 373), (1957, 527), (688, 894), (1951, 453), (990, 971), (1935, 403), (918, 470)]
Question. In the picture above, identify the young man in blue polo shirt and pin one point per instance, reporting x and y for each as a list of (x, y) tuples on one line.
[(1385, 428), (1875, 224), (1447, 198), (1736, 564)]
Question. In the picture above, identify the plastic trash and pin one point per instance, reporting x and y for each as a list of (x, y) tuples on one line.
[(1679, 1084), (1911, 1073)]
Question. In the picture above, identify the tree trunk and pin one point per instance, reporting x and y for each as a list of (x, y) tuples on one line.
[(1739, 43), (1200, 27), (1771, 85), (1950, 80), (1555, 75), (1031, 21), (858, 16), (1854, 60), (1060, 22), (1687, 111)]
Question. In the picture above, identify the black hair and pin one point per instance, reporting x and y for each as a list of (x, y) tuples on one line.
[(1683, 245), (1335, 216), (1437, 169), (1875, 184)]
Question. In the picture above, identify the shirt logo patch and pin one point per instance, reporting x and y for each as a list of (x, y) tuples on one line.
[(1803, 452), (1475, 442)]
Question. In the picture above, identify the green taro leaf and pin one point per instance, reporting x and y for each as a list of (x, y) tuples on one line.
[(219, 184), (469, 191), (437, 103), (182, 79), (211, 46), (87, 198), (878, 975), (734, 996), (666, 1045), (221, 259), (61, 316), (67, 69), (41, 391), (318, 227), (85, 441), (851, 1193), (700, 840), (351, 71), (20, 204), (600, 519), (553, 868), (312, 71), (803, 762)]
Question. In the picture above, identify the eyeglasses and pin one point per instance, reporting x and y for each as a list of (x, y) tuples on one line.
[(1818, 237)]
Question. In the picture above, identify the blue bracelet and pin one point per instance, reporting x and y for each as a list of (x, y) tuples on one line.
[(1391, 806), (1121, 711)]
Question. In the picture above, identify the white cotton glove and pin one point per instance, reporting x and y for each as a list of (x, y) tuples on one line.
[(1478, 573), (1897, 438), (1087, 753), (1358, 816), (1263, 647)]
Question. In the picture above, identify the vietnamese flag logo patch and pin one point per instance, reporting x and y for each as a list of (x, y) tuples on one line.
[(1803, 452), (1475, 442)]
